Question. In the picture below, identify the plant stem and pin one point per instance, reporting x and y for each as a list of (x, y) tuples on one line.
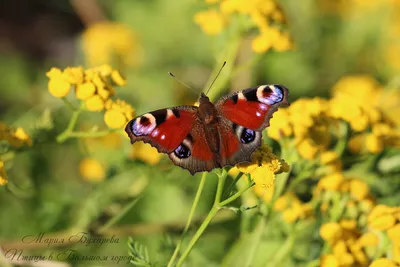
[(71, 125), (260, 229), (235, 196), (69, 104), (207, 220), (69, 132), (191, 214), (283, 251)]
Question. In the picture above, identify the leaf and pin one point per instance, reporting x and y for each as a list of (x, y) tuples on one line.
[(139, 254)]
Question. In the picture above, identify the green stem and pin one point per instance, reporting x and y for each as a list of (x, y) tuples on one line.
[(116, 218), (196, 237), (235, 196), (69, 104), (92, 134), (283, 251), (234, 182), (207, 220), (191, 214), (71, 125), (260, 229)]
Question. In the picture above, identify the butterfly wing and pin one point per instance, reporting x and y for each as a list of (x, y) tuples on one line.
[(244, 115), (177, 132), (195, 154), (164, 129)]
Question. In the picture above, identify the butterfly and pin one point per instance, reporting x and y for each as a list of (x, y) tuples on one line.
[(211, 135)]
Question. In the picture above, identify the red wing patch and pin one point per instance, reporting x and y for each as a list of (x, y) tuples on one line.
[(173, 130), (248, 114), (229, 144), (200, 147)]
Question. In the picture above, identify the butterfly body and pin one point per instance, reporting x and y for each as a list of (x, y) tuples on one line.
[(211, 135)]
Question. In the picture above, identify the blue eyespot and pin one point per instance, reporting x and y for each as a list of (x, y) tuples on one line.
[(247, 136), (182, 151)]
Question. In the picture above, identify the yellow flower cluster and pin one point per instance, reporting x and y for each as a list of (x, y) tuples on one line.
[(15, 137), (94, 86), (359, 201), (354, 239), (387, 219), (307, 121), (110, 42), (292, 208), (263, 169), (3, 174), (348, 246), (92, 170), (357, 100), (260, 14), (118, 113)]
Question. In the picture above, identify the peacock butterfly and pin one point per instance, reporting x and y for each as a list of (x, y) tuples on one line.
[(211, 135)]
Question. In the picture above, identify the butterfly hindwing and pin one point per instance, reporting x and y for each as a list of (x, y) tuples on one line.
[(237, 143), (252, 108), (195, 154)]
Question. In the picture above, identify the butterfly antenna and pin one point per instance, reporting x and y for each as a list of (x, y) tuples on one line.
[(223, 65), (184, 84)]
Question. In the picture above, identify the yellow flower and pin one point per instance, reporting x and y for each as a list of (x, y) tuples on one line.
[(346, 259), (307, 149), (211, 21), (118, 113), (291, 214), (331, 231), (331, 182), (85, 90), (292, 208), (394, 233), (378, 211), (329, 261), (282, 203), (94, 103), (57, 85), (146, 153), (280, 125), (374, 144), (114, 119), (107, 42), (264, 166), (263, 176), (284, 43), (339, 248), (3, 175), (331, 160), (348, 224), (266, 40), (16, 137), (358, 189), (22, 136), (73, 75), (356, 143), (117, 78), (266, 193), (383, 262), (92, 170), (383, 222), (368, 239)]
